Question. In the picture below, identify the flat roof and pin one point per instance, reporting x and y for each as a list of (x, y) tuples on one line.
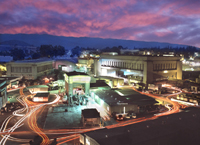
[(35, 60), (99, 83), (90, 113), (140, 57), (42, 95), (74, 73), (38, 86), (73, 60), (175, 129), (110, 77), (128, 96)]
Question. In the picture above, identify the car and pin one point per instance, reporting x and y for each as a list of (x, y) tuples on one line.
[(120, 117), (133, 115)]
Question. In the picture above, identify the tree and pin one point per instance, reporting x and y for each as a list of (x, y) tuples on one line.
[(46, 50), (58, 50), (76, 51), (50, 51), (36, 55), (17, 54)]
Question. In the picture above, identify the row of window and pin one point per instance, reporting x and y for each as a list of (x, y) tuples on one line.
[(21, 69), (44, 68), (29, 76), (125, 65), (165, 66)]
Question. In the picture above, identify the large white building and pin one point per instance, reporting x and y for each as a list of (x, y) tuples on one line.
[(30, 69), (146, 69)]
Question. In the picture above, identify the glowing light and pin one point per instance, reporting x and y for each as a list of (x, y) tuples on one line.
[(104, 72), (80, 79), (36, 99), (87, 142), (101, 102), (168, 55), (107, 108), (183, 102), (165, 71), (92, 94)]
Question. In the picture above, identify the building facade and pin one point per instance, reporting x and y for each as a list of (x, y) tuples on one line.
[(146, 69), (65, 65), (118, 102), (30, 69), (77, 80)]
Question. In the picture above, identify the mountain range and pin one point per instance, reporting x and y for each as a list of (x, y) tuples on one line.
[(71, 42)]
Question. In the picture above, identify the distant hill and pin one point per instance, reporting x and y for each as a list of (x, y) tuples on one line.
[(14, 42), (11, 44), (71, 42)]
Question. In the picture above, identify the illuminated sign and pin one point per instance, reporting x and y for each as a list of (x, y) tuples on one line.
[(122, 103)]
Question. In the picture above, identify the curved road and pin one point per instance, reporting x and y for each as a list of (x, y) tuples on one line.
[(31, 110)]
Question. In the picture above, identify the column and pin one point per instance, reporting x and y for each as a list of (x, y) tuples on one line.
[(87, 88)]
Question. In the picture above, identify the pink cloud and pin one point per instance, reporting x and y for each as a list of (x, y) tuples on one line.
[(161, 34), (121, 19)]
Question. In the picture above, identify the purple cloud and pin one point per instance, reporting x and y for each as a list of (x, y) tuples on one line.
[(146, 20)]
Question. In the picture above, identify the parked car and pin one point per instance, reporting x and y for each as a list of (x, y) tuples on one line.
[(120, 117)]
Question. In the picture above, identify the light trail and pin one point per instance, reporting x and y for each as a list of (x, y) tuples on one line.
[(34, 109), (32, 120), (68, 140), (18, 124)]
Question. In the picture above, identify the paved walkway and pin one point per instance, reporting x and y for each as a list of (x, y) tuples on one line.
[(63, 116)]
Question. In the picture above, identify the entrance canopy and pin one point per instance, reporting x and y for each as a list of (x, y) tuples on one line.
[(74, 78)]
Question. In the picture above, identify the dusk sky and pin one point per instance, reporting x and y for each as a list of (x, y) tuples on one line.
[(173, 21)]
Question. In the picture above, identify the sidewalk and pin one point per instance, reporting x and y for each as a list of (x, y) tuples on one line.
[(63, 116)]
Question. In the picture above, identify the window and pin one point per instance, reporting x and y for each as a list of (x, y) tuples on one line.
[(158, 67), (163, 66)]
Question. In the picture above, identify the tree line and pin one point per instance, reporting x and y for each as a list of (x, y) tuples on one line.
[(43, 51), (58, 50), (49, 51)]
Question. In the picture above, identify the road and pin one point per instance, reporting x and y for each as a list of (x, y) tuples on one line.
[(28, 113), (31, 110)]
